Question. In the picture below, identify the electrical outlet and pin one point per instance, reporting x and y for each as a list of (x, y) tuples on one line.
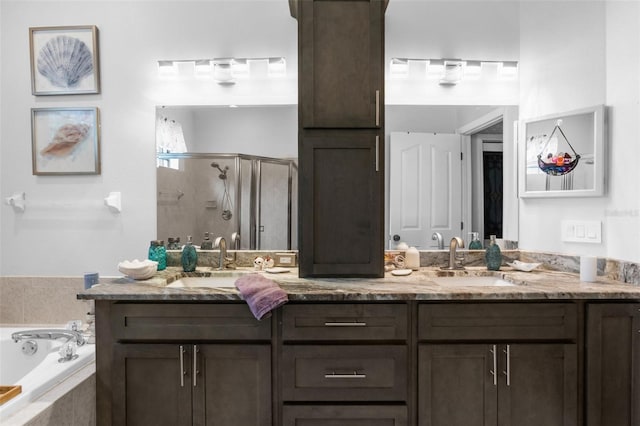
[(581, 231)]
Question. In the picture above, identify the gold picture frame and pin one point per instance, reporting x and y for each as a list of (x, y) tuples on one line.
[(64, 60), (65, 141)]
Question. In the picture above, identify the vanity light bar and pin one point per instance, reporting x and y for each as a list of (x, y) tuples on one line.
[(448, 71), (225, 70)]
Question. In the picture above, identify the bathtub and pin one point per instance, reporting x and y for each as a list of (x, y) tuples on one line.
[(38, 373)]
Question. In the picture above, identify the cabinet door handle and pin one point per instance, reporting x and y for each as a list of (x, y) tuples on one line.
[(195, 364), (377, 153), (495, 365), (345, 324), (354, 375), (182, 371), (377, 108), (508, 371)]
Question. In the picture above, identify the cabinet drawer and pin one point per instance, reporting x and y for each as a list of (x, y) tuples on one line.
[(184, 321), (344, 373), (340, 322), (497, 321), (349, 415)]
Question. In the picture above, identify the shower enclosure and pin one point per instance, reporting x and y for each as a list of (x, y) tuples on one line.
[(249, 200)]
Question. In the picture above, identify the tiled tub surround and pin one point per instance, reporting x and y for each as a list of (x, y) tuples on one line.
[(31, 302), (41, 300)]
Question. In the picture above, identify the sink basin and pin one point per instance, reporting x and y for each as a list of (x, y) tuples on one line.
[(472, 282), (220, 280)]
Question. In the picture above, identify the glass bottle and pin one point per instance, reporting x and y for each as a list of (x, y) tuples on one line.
[(475, 243), (189, 256), (158, 253), (207, 244), (493, 255)]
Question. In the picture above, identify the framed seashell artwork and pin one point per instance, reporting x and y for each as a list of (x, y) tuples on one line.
[(64, 60), (65, 141)]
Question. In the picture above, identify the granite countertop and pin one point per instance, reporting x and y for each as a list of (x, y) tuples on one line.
[(424, 284)]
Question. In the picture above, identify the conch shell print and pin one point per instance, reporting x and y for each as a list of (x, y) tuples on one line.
[(66, 139)]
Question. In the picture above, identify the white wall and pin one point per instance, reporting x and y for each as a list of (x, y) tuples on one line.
[(573, 55)]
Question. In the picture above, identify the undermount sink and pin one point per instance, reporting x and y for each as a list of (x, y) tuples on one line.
[(221, 279), (472, 282)]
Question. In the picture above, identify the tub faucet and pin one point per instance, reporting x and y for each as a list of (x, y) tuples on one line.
[(455, 259), (224, 262), (50, 334), (438, 236)]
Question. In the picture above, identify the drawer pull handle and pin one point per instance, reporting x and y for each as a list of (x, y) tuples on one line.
[(195, 365), (495, 365), (355, 375), (345, 324), (377, 108), (508, 371), (182, 370)]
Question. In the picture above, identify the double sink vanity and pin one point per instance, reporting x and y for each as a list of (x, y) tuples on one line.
[(470, 347)]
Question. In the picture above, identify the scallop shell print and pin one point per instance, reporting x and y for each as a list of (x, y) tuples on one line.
[(66, 140), (65, 61)]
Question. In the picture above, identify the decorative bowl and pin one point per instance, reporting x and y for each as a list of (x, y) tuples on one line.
[(138, 270), (523, 266)]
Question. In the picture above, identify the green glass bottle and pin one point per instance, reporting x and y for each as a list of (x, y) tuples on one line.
[(475, 243), (158, 253), (189, 256), (493, 256)]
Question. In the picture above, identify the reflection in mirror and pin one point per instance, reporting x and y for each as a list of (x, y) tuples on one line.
[(433, 190), (211, 188), (246, 199)]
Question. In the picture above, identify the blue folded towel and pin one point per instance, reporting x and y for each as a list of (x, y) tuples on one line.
[(261, 294)]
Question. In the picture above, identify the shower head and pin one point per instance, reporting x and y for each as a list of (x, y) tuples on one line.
[(223, 173)]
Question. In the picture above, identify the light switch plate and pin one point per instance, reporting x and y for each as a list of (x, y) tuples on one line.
[(581, 231)]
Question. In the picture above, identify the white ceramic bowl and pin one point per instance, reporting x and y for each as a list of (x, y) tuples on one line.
[(522, 266), (138, 270)]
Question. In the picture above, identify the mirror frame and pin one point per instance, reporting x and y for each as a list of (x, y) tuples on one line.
[(598, 131)]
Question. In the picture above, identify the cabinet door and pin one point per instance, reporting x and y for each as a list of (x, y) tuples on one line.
[(457, 385), (341, 211), (613, 364), (232, 385), (341, 44), (538, 385), (151, 385)]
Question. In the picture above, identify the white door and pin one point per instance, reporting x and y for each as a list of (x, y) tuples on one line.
[(425, 194)]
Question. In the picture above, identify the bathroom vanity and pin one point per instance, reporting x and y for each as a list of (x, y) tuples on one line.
[(418, 350)]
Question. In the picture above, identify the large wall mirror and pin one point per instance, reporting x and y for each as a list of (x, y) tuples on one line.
[(235, 173)]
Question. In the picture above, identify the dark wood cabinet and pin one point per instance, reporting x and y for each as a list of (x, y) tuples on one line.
[(341, 137), (613, 364), (505, 385), (341, 71), (185, 364), (512, 364), (341, 204)]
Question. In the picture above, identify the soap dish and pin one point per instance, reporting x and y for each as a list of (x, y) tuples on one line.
[(523, 266), (401, 272), (138, 270)]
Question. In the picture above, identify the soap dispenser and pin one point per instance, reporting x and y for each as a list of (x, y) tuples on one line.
[(189, 256), (412, 258), (207, 243), (475, 243), (493, 256)]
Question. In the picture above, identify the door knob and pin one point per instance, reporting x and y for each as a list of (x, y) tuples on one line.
[(396, 238)]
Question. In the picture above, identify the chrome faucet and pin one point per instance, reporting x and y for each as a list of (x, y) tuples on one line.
[(224, 262), (49, 334), (438, 236), (455, 259)]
